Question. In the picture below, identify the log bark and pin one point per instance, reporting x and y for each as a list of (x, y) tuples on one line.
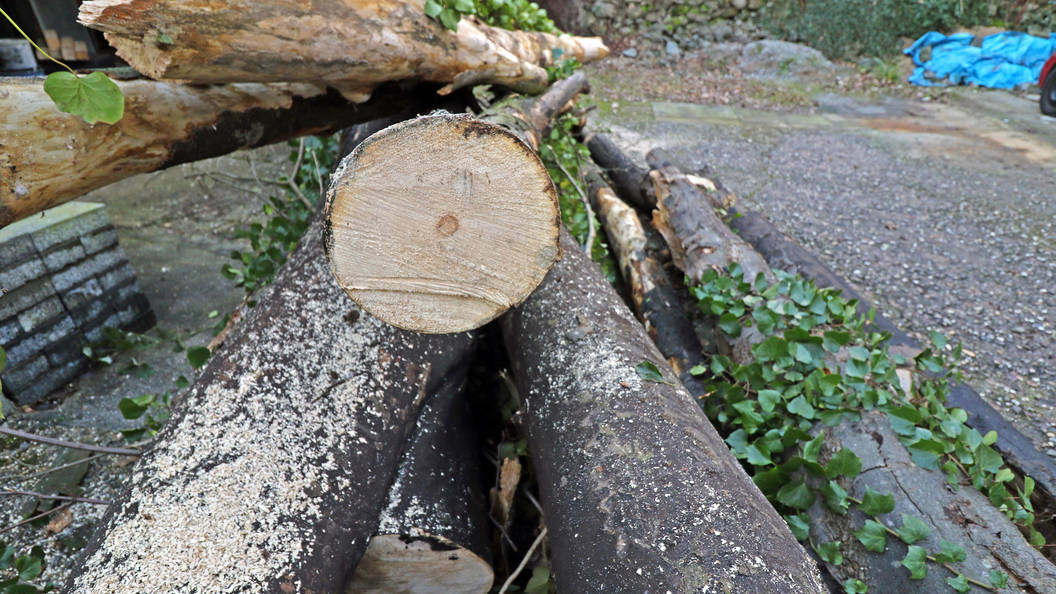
[(653, 294), (433, 536), (352, 45), (48, 157), (272, 473), (639, 492), (630, 181), (999, 546), (443, 223)]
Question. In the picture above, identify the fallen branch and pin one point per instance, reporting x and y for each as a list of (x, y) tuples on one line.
[(68, 444)]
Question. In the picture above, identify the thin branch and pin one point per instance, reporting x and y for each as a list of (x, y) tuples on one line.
[(55, 509), (586, 205), (55, 497), (57, 468), (62, 443), (503, 532), (318, 176), (297, 163), (524, 561)]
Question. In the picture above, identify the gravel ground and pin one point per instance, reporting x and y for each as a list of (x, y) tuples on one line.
[(942, 216)]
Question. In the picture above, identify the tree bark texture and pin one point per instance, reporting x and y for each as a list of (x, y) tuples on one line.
[(631, 182), (272, 474), (352, 45), (433, 536), (48, 157), (639, 492)]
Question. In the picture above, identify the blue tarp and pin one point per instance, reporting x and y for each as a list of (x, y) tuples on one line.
[(1003, 61)]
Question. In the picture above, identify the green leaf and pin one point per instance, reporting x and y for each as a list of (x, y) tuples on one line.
[(802, 353), (1028, 487), (813, 447), (913, 529), (938, 340), (133, 408), (464, 6), (951, 552), (800, 526), (927, 453), (738, 442), (758, 455), (433, 8), (835, 497), (844, 463), (875, 503), (540, 581), (165, 39), (998, 579), (1003, 475), (698, 370), (1036, 538), (873, 536), (854, 586), (449, 18), (730, 324), (29, 567), (830, 552), (198, 356), (959, 583), (796, 495), (990, 438), (801, 407), (94, 97), (768, 399), (914, 562)]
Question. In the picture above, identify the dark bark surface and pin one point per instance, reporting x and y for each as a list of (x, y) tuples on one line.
[(639, 491)]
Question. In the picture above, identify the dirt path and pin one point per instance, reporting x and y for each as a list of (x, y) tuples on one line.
[(941, 212)]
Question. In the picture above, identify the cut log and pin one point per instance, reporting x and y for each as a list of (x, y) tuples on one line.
[(48, 157), (653, 296), (443, 223), (353, 45), (997, 545), (631, 182), (639, 492), (272, 473), (434, 535)]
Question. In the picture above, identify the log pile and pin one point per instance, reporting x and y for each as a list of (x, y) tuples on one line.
[(328, 445)]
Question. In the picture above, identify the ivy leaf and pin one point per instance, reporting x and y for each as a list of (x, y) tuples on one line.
[(539, 582), (758, 455), (464, 6), (835, 497), (1003, 475), (94, 97), (872, 536), (914, 562), (198, 356), (730, 324), (1028, 483), (844, 463), (29, 567), (951, 552), (449, 18), (913, 529), (800, 406), (855, 586), (812, 447), (875, 503), (830, 552), (738, 442), (927, 453), (768, 399), (648, 371), (800, 526), (998, 579), (133, 408), (959, 583), (433, 8), (796, 495)]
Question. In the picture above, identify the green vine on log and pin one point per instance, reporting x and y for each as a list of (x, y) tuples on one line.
[(508, 14), (94, 96), (768, 408)]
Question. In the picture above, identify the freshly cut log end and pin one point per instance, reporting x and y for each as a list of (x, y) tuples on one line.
[(426, 564), (442, 223)]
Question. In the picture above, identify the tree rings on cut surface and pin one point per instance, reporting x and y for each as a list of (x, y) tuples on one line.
[(441, 223)]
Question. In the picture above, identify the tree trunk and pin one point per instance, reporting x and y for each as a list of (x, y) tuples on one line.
[(999, 546), (352, 45), (434, 535), (442, 223), (272, 473), (48, 157), (639, 492), (630, 181)]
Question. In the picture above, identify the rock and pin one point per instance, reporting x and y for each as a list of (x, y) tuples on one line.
[(672, 48), (603, 10), (781, 59), (630, 52), (740, 4)]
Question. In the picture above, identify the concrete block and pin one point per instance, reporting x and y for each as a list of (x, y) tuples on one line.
[(20, 274), (89, 313), (85, 269), (66, 350), (99, 241), (52, 380), (34, 344), (62, 255), (117, 276), (76, 296), (41, 314), (19, 377), (10, 331), (16, 249), (21, 298), (67, 222)]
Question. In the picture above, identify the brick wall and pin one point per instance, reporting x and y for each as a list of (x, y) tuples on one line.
[(64, 278)]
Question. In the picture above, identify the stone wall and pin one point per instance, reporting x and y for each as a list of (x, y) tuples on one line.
[(64, 278), (616, 18)]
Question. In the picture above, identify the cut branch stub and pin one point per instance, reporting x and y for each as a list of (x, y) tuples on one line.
[(441, 224)]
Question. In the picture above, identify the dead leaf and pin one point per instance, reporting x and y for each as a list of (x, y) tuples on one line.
[(59, 521)]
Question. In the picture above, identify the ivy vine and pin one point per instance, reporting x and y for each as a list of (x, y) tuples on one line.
[(770, 411)]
